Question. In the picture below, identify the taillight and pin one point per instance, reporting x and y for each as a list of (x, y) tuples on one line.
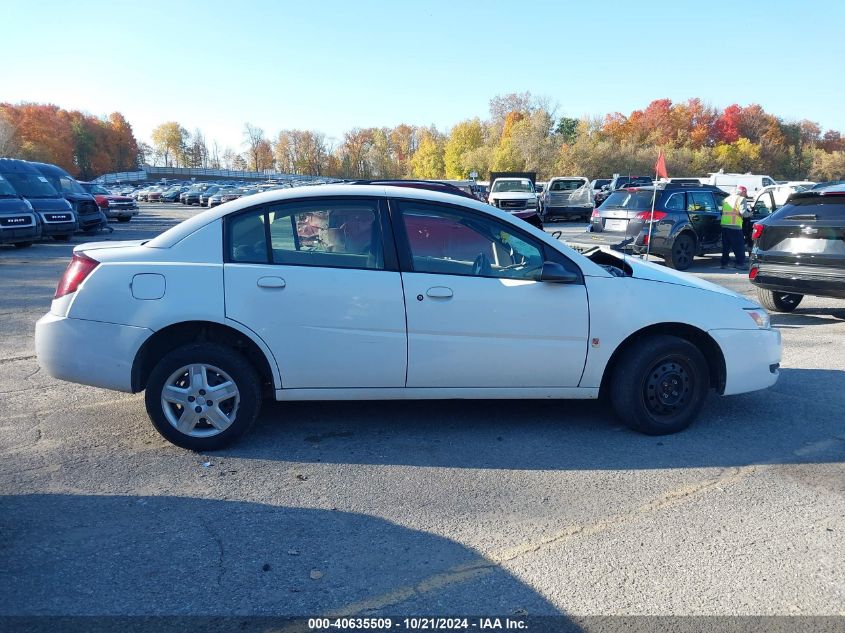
[(756, 232), (753, 272), (656, 216), (79, 268)]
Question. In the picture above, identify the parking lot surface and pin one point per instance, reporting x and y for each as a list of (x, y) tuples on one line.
[(505, 507)]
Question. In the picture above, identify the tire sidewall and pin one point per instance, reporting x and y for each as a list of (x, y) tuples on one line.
[(630, 376), (231, 362)]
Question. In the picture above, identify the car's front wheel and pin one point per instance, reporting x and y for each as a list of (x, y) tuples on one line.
[(23, 244), (203, 396), (124, 218), (659, 385), (778, 301)]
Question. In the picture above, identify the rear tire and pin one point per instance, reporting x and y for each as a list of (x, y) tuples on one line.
[(219, 367), (682, 253), (659, 385), (778, 301)]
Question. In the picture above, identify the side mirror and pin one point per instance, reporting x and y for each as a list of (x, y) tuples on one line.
[(555, 273)]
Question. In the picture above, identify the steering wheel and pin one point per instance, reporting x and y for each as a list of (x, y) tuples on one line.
[(481, 266)]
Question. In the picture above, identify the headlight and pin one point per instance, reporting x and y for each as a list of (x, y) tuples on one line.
[(760, 317)]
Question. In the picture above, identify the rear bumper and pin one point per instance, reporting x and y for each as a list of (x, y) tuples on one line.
[(752, 358), (88, 352), (567, 212), (803, 280)]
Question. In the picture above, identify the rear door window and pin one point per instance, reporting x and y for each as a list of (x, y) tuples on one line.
[(700, 202)]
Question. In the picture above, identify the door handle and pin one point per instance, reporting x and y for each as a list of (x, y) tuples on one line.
[(439, 292), (271, 282)]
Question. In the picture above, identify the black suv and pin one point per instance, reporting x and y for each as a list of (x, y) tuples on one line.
[(687, 222), (800, 250)]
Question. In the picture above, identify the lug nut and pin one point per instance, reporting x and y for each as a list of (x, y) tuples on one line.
[(198, 409), (190, 398)]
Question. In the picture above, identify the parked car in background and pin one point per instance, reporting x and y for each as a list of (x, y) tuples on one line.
[(568, 197), (383, 292), (597, 185), (619, 182), (799, 250), (115, 207), (88, 214), (154, 194), (728, 183), (19, 223), (686, 222), (58, 219), (192, 195), (540, 189), (516, 196), (827, 183), (172, 194)]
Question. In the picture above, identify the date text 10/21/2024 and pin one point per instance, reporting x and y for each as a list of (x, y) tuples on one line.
[(416, 624)]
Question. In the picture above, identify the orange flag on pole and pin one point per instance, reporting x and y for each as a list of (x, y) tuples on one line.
[(660, 166)]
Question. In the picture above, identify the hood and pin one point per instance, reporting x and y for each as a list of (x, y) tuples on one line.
[(14, 205), (50, 204), (657, 272), (513, 195), (78, 197)]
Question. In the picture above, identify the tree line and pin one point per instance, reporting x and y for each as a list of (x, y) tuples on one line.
[(521, 133), (84, 145)]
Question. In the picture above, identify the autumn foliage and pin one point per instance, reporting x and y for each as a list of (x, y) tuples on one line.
[(84, 145), (522, 133)]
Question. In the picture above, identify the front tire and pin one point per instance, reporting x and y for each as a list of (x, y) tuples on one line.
[(682, 253), (123, 218), (659, 385), (62, 238), (23, 244), (203, 396), (778, 301)]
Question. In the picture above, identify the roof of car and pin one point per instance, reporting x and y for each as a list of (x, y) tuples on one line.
[(179, 232), (15, 164)]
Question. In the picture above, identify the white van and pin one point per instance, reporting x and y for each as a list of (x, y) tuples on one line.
[(729, 182)]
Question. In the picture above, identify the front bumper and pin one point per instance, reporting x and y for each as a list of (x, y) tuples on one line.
[(22, 234), (752, 358), (88, 352), (112, 213), (57, 228)]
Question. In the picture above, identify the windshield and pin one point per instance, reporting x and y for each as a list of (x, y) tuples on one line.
[(6, 190), (97, 190), (566, 185), (521, 185), (630, 200), (30, 185), (65, 184)]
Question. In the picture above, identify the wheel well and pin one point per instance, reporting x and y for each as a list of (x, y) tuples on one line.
[(173, 336), (701, 339)]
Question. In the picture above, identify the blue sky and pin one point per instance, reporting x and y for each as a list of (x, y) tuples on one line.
[(335, 65)]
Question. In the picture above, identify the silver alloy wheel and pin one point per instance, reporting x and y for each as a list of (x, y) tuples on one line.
[(200, 400)]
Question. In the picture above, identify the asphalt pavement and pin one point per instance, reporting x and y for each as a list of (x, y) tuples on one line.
[(436, 507)]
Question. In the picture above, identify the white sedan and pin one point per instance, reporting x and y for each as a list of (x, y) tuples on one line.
[(351, 292)]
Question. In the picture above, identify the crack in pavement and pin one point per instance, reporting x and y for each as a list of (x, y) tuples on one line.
[(14, 359), (221, 568)]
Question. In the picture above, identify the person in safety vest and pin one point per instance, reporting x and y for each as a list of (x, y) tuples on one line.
[(733, 210)]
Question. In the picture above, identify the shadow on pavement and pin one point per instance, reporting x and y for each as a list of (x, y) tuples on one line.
[(136, 555), (774, 426)]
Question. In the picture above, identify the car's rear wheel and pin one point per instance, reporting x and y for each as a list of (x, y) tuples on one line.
[(23, 244), (203, 396), (778, 301), (682, 253), (659, 385)]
